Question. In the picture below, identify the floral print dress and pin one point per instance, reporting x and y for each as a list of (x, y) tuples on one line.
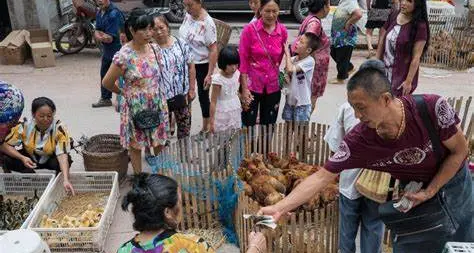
[(141, 90)]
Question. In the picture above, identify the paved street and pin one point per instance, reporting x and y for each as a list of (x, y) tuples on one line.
[(74, 85)]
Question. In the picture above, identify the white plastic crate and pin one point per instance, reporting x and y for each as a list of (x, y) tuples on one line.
[(78, 239), (25, 185), (440, 8), (459, 247)]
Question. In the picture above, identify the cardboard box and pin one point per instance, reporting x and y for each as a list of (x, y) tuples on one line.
[(14, 48), (42, 48)]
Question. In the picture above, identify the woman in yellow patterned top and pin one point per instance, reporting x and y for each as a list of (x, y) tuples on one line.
[(44, 141)]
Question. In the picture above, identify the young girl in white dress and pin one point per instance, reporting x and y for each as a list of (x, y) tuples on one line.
[(225, 103)]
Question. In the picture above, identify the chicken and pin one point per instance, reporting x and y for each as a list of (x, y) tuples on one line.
[(313, 203), (262, 191), (274, 160), (330, 193), (293, 164), (273, 198), (277, 185), (248, 189)]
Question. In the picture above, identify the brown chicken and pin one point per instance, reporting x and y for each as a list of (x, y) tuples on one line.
[(330, 193), (313, 203)]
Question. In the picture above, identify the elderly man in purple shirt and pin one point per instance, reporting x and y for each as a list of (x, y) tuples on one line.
[(109, 21)]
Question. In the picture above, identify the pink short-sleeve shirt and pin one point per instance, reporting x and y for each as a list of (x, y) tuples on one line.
[(254, 60)]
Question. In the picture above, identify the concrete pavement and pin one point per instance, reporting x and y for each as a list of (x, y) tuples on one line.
[(74, 85)]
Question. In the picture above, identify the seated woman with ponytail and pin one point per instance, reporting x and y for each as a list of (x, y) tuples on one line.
[(156, 207)]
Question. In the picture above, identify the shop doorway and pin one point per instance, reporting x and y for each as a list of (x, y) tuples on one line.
[(5, 24)]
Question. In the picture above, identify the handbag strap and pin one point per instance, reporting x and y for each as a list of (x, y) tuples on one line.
[(182, 53), (157, 61), (435, 141), (263, 46)]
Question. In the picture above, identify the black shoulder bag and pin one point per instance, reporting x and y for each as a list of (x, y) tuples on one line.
[(178, 101), (148, 118), (429, 220)]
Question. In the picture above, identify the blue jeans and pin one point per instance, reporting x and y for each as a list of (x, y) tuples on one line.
[(459, 200), (104, 67), (300, 113), (361, 211)]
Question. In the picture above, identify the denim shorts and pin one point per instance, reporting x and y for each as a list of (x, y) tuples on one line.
[(296, 113)]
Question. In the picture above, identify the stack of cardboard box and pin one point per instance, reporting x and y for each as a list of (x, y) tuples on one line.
[(42, 48), (14, 48), (19, 45)]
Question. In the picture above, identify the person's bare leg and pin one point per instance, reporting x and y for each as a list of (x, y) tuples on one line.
[(205, 124), (136, 159), (369, 43), (172, 123), (313, 104), (158, 149)]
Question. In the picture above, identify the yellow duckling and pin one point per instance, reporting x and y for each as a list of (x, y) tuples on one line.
[(65, 221), (84, 222), (44, 221), (53, 223), (75, 222)]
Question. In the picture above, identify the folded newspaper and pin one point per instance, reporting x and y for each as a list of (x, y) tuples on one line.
[(262, 220), (404, 204)]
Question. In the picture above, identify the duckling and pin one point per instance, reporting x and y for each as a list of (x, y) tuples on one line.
[(75, 222), (84, 222), (49, 223), (43, 221), (64, 221), (53, 223)]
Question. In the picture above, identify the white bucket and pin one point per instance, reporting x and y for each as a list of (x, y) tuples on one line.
[(23, 241)]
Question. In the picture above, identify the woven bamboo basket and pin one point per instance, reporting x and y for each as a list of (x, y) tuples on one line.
[(373, 185), (104, 152), (223, 33), (304, 231)]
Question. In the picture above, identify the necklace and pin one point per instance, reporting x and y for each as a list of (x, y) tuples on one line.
[(402, 123)]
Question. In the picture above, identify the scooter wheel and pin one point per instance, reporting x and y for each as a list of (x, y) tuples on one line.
[(71, 41)]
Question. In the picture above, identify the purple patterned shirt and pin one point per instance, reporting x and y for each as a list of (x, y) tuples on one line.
[(411, 157)]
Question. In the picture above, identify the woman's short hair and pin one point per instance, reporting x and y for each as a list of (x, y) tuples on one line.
[(315, 6), (149, 197), (370, 77), (40, 102), (162, 18), (265, 2), (228, 56), (137, 20)]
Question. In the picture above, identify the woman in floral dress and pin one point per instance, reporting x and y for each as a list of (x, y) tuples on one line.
[(319, 9), (138, 62)]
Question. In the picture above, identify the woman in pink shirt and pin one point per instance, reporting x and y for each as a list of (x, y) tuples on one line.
[(261, 50)]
